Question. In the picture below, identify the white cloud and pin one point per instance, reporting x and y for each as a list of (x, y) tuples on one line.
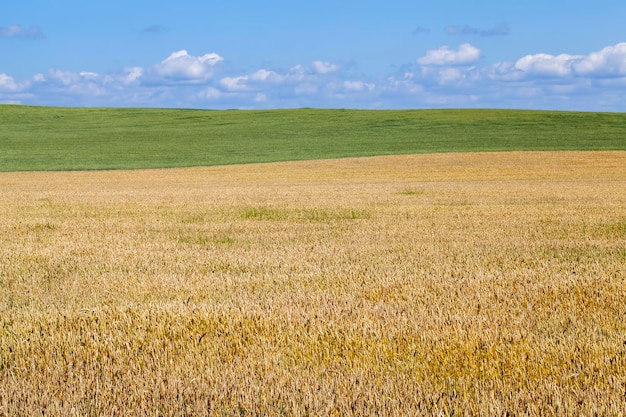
[(81, 84), (406, 85), (610, 61), (264, 75), (132, 74), (8, 83), (16, 31), (547, 65), (235, 83), (299, 73), (180, 66), (450, 75), (465, 54), (358, 86), (85, 87), (304, 79), (259, 80), (504, 71), (122, 79), (210, 93), (320, 67), (445, 77), (61, 77), (89, 75)]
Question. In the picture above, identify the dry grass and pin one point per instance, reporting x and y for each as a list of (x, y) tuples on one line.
[(460, 284)]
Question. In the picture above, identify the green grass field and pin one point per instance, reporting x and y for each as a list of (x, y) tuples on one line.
[(53, 138)]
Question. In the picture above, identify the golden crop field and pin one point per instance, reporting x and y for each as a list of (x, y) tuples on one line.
[(452, 284)]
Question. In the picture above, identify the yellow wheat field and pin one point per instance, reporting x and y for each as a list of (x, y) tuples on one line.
[(459, 284)]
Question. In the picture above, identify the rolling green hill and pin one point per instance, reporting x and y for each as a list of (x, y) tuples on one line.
[(53, 138)]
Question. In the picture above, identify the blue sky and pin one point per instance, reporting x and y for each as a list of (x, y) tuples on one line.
[(568, 55)]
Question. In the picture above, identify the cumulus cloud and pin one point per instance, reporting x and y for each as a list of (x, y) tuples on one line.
[(132, 74), (450, 75), (57, 76), (606, 63), (239, 83), (268, 76), (299, 77), (358, 86), (534, 81), (547, 65), (441, 77), (180, 66), (500, 30), (320, 67), (255, 81), (8, 83), (17, 31), (445, 77), (610, 61), (121, 79), (210, 93), (69, 85), (465, 54)]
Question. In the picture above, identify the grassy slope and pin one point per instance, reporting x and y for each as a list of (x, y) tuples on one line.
[(51, 138)]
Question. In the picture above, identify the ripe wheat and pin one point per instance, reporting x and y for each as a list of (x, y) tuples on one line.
[(459, 284)]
